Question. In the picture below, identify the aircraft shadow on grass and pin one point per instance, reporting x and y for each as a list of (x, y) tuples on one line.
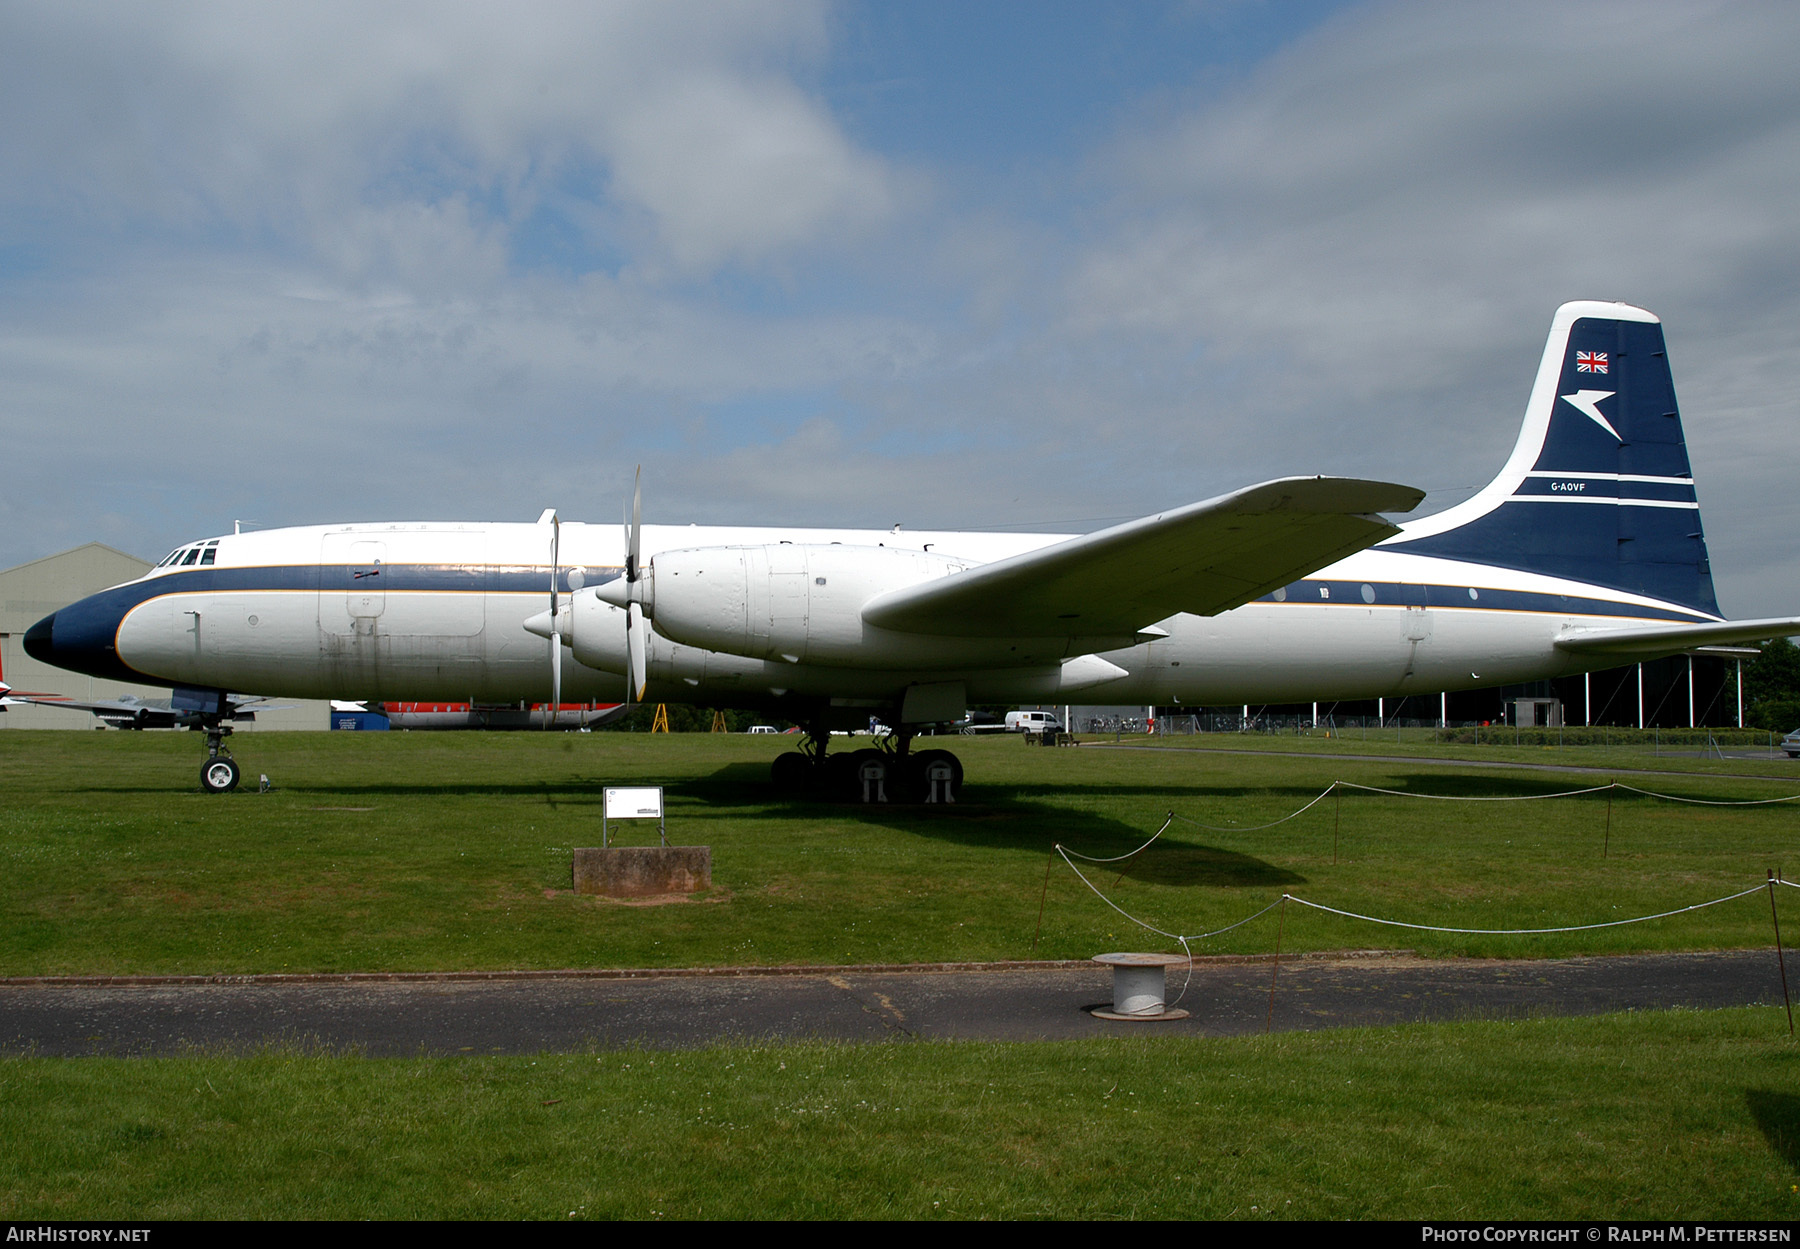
[(1777, 1117), (1447, 784), (1006, 817)]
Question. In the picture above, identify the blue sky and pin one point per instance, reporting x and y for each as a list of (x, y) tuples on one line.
[(1034, 264)]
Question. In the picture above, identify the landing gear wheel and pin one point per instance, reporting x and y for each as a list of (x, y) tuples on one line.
[(219, 775), (923, 761), (792, 772), (838, 773)]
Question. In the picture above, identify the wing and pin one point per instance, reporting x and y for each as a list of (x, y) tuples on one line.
[(127, 712), (116, 706), (1641, 641), (1205, 558)]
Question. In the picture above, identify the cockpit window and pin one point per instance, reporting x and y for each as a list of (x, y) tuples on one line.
[(202, 553)]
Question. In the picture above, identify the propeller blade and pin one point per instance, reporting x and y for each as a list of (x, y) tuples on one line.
[(637, 525), (635, 678), (555, 682), (555, 632)]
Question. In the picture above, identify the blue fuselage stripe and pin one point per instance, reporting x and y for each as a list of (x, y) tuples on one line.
[(1448, 597)]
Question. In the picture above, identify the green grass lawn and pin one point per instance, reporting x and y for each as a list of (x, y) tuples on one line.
[(416, 851), (401, 851), (1676, 1115)]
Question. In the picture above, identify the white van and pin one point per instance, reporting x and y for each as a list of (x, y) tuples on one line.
[(1032, 722)]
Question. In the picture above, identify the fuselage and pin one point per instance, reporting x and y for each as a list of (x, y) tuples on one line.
[(435, 611)]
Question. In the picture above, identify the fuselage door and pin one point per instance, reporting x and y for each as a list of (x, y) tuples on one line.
[(352, 589), (1416, 625), (788, 591)]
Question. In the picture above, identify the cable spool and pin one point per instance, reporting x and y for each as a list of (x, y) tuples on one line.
[(1140, 984)]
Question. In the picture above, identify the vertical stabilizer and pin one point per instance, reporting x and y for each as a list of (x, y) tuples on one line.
[(1598, 489)]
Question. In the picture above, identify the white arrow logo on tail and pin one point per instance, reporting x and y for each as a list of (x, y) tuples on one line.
[(1587, 402)]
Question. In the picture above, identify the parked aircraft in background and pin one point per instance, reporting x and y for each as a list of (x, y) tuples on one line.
[(484, 716), (128, 711), (11, 697), (1585, 552)]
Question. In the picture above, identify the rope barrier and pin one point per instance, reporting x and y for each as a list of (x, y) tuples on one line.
[(1707, 802), (1403, 793), (1068, 857), (1120, 858), (1528, 932), (1184, 939), (1257, 828)]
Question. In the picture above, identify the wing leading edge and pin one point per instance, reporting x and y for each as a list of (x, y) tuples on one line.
[(1204, 559)]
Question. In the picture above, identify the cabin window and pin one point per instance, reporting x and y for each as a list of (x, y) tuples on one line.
[(192, 557), (207, 556)]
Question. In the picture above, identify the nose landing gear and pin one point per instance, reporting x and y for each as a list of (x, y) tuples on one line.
[(220, 773)]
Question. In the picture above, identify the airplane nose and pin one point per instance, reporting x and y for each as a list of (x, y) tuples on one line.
[(38, 640), (81, 637)]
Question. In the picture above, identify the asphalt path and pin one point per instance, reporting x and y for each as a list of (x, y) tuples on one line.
[(456, 1014)]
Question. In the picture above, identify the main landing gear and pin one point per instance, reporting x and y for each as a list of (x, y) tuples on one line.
[(220, 773), (890, 773)]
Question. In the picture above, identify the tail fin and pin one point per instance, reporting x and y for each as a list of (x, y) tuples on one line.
[(1598, 489)]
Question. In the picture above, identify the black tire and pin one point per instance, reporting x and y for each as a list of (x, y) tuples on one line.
[(219, 775), (792, 773)]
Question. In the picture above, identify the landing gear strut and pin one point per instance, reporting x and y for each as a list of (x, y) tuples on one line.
[(219, 774)]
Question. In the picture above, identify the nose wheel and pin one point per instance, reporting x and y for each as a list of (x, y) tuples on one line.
[(220, 773)]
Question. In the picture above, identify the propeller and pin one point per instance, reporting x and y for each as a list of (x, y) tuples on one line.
[(556, 646), (635, 676)]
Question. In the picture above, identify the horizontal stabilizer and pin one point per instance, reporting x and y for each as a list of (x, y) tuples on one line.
[(1205, 558), (1647, 640)]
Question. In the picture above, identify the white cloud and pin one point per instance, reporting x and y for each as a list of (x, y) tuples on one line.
[(303, 120)]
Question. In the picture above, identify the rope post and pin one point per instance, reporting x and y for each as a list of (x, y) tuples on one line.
[(1337, 815), (1780, 959), (1049, 862), (1280, 927)]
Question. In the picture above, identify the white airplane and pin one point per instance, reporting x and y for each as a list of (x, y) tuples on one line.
[(1585, 552)]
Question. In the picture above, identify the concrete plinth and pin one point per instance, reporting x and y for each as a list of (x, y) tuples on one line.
[(642, 871)]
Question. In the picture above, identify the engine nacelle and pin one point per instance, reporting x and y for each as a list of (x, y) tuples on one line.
[(788, 601)]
